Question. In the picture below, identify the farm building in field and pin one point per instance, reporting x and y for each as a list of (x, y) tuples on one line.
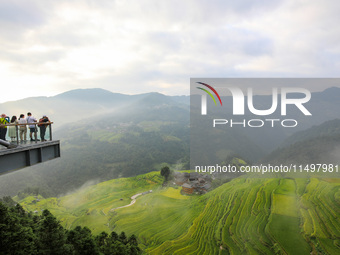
[(181, 180), (193, 182), (206, 187), (193, 176), (187, 188)]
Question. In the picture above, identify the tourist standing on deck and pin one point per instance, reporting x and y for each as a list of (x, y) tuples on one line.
[(33, 129), (43, 127), (23, 128), (3, 129), (12, 130)]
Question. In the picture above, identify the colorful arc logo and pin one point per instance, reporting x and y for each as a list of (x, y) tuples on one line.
[(208, 92)]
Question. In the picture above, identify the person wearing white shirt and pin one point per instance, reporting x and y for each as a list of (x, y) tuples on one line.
[(33, 129), (23, 128)]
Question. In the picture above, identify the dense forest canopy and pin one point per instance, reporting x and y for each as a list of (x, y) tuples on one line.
[(23, 232)]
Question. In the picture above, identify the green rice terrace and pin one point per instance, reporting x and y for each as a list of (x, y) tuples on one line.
[(243, 216)]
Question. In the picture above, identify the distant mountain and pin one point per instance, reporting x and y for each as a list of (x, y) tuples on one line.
[(134, 139), (96, 94), (106, 135), (155, 99), (332, 93), (182, 99), (323, 107), (328, 128), (319, 144), (80, 104)]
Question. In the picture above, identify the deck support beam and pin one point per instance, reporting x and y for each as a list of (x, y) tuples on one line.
[(27, 155)]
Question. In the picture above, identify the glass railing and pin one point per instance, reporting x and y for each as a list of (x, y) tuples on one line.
[(27, 133)]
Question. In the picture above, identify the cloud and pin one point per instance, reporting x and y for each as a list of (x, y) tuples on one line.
[(21, 13), (53, 46), (18, 17)]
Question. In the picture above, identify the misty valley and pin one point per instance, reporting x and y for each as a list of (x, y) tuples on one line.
[(109, 187)]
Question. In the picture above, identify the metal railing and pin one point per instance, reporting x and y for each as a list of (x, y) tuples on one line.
[(19, 139)]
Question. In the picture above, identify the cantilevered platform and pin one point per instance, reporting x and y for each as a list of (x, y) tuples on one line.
[(27, 154)]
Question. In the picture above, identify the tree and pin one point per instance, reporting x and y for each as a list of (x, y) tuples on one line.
[(14, 238), (8, 201), (133, 240), (133, 245), (123, 238), (113, 236), (101, 240), (22, 233), (82, 241), (52, 236), (165, 172)]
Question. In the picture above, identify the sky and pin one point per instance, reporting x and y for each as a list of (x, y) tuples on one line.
[(48, 47)]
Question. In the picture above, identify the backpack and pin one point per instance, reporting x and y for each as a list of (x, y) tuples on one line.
[(3, 121), (41, 120)]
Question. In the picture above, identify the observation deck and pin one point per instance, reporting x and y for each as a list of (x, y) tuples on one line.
[(16, 154)]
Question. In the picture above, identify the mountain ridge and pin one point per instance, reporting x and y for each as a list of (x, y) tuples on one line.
[(318, 145), (74, 105)]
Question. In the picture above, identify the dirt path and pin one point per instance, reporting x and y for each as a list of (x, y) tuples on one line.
[(132, 202)]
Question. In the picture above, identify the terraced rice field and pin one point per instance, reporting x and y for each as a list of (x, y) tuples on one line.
[(244, 216), (258, 216)]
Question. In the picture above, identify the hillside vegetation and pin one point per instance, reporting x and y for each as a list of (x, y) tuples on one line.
[(127, 144), (111, 135), (328, 128), (318, 144), (244, 216), (25, 233)]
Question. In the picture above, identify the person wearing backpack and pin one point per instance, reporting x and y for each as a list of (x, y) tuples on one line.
[(3, 129), (43, 127), (33, 129)]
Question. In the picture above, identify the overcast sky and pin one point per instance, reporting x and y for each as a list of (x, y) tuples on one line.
[(48, 47)]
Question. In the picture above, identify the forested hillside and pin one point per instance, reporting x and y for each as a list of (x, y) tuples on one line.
[(110, 135), (26, 233), (317, 145), (107, 147)]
